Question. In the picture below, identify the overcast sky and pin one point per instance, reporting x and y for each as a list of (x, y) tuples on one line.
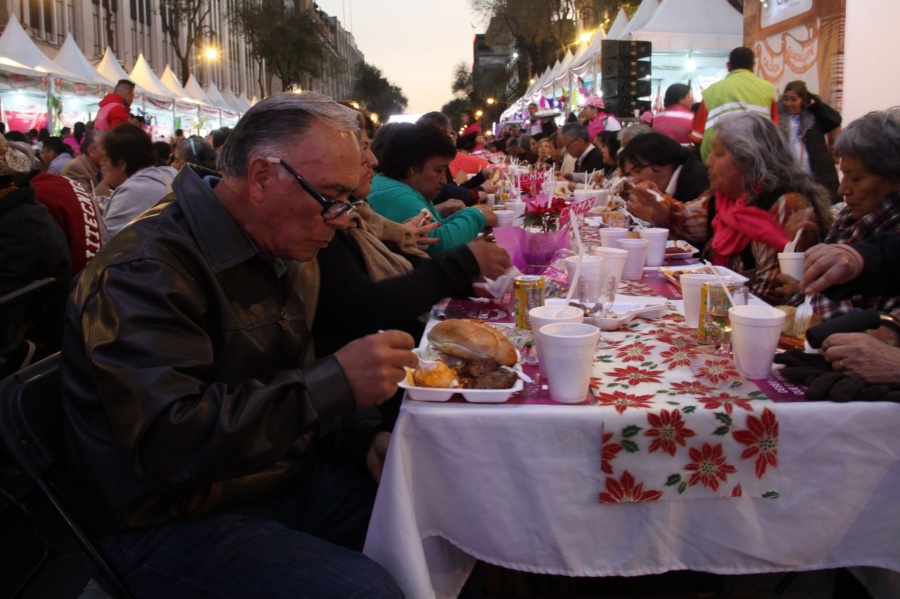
[(415, 43)]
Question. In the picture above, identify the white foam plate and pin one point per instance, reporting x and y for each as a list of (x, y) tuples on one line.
[(470, 395), (668, 272), (688, 252)]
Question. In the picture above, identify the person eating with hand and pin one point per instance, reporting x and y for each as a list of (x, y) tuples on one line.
[(211, 451)]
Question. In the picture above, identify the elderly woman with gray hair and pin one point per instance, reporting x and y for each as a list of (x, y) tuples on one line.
[(756, 187), (869, 149)]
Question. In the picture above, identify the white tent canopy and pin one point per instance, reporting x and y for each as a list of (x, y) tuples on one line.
[(19, 54), (173, 85), (110, 68), (195, 91), (692, 25), (640, 17), (244, 102), (70, 58), (232, 101), (144, 77), (215, 98), (618, 26)]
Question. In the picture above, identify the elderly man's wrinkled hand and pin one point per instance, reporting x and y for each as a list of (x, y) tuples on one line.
[(375, 364)]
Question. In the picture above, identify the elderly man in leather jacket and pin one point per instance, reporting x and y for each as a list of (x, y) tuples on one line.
[(215, 458)]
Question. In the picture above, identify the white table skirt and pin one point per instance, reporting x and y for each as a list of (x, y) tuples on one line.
[(518, 485)]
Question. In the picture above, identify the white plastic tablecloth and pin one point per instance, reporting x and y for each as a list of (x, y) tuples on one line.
[(517, 486)]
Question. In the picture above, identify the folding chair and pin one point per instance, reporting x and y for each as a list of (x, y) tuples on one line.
[(14, 310), (31, 431)]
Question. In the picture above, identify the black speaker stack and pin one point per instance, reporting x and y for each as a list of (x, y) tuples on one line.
[(625, 77)]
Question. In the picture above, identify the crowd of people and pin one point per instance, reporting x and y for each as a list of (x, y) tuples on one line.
[(234, 312)]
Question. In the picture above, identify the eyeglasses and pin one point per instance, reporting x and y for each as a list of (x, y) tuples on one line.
[(331, 209)]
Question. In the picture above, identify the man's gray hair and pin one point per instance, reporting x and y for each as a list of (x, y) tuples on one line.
[(631, 131), (525, 142), (277, 123), (91, 139), (574, 131), (874, 140)]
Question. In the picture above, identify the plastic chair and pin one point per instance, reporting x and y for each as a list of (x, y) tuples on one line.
[(31, 431)]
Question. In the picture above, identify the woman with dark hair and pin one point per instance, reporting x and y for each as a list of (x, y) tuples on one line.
[(217, 137), (804, 119), (608, 144), (196, 152), (129, 168), (378, 259), (55, 154), (675, 119), (413, 165), (671, 168), (756, 186), (73, 140)]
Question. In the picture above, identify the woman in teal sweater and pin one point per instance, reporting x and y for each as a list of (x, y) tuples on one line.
[(413, 160)]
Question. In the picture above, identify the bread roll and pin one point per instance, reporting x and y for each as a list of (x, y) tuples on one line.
[(472, 340), (788, 327)]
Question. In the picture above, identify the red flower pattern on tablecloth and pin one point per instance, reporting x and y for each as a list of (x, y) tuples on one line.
[(716, 371), (678, 356), (636, 352), (669, 430), (761, 437), (622, 401), (709, 465), (625, 489), (727, 401), (635, 376), (691, 388), (687, 407), (608, 453)]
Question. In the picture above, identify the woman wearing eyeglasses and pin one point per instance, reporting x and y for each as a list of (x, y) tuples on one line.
[(194, 150), (378, 259)]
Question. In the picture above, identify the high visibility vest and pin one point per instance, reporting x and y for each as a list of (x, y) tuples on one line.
[(740, 91)]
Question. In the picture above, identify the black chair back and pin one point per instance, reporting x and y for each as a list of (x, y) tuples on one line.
[(31, 431), (16, 306)]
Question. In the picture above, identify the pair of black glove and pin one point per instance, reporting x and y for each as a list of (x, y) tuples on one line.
[(823, 383)]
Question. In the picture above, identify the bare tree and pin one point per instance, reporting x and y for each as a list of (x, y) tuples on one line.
[(187, 17)]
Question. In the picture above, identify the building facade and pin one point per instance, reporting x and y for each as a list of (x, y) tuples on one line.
[(134, 27)]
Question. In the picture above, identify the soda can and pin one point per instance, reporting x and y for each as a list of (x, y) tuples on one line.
[(528, 291)]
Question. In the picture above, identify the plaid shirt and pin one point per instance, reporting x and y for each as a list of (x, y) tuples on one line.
[(689, 220), (884, 219)]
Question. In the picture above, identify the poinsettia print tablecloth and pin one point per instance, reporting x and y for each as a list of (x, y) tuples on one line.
[(683, 422)]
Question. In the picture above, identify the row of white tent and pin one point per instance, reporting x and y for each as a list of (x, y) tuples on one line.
[(20, 56), (709, 28)]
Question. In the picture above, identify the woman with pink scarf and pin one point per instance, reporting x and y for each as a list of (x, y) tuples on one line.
[(748, 215)]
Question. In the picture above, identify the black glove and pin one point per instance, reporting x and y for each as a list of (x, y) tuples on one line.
[(823, 383)]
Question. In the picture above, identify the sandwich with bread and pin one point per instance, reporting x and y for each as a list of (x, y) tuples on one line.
[(471, 355)]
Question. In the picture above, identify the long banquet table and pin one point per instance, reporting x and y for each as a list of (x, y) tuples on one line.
[(517, 484)]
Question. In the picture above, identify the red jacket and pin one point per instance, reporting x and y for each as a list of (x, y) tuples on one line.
[(113, 111), (73, 210)]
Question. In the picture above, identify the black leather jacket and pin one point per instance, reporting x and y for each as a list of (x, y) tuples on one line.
[(185, 389)]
